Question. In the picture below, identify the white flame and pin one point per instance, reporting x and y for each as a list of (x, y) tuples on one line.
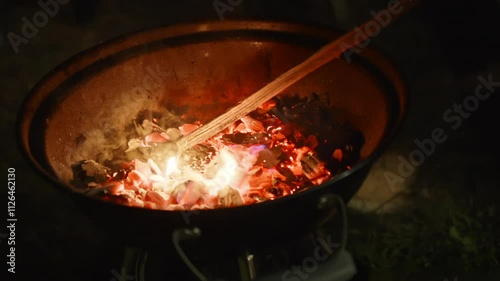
[(228, 173), (171, 167)]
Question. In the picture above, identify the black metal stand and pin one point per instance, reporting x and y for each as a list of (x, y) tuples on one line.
[(335, 264)]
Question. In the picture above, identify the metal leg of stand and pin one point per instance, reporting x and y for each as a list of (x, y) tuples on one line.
[(336, 265), (247, 267)]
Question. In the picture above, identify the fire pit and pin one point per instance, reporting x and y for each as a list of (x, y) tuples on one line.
[(96, 127), (279, 149)]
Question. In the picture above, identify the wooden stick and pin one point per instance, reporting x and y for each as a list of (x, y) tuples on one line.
[(324, 55)]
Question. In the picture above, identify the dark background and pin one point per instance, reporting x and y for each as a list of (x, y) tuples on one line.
[(441, 47)]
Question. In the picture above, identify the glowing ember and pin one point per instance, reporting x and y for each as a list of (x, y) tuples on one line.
[(263, 156)]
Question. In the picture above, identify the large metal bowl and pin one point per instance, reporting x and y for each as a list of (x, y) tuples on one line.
[(202, 69)]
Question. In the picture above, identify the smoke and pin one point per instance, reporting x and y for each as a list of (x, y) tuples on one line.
[(120, 119)]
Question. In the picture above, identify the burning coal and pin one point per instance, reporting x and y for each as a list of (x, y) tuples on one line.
[(287, 145)]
